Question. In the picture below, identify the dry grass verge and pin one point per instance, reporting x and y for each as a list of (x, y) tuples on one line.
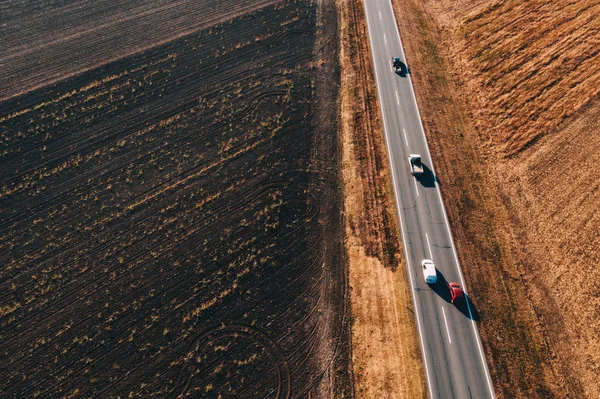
[(386, 354)]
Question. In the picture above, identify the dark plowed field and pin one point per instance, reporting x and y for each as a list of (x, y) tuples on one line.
[(170, 222), (46, 40)]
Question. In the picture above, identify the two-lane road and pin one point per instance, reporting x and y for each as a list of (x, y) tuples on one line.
[(452, 352)]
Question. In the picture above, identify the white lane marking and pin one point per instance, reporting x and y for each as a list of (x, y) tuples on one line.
[(429, 246), (462, 280), (416, 187), (397, 97), (446, 322), (380, 15), (398, 210), (384, 39), (405, 139)]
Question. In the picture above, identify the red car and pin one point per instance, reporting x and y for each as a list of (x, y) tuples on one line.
[(456, 293)]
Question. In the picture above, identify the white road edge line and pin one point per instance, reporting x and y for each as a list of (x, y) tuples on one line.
[(462, 280), (398, 209), (380, 16), (384, 39), (397, 97), (429, 246), (405, 139), (446, 322)]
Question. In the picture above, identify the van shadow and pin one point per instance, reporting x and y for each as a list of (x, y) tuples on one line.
[(466, 306), (441, 287), (468, 309), (428, 178)]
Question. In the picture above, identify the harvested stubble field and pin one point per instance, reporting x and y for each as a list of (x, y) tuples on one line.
[(509, 91), (536, 65), (540, 122), (170, 221)]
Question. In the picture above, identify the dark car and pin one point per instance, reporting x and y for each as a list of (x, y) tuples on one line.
[(399, 66), (457, 295)]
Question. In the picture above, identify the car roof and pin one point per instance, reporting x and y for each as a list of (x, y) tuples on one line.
[(458, 292), (429, 267)]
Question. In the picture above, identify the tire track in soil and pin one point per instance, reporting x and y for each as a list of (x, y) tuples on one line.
[(284, 379), (315, 285), (92, 353)]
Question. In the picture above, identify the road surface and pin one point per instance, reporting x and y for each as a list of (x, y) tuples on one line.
[(454, 361)]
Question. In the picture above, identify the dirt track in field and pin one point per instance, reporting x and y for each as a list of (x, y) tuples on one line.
[(170, 221)]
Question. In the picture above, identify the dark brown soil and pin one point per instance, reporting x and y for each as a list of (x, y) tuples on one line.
[(170, 223), (44, 41)]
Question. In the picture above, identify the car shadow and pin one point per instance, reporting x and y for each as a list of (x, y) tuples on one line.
[(466, 306), (441, 287), (468, 309), (402, 70), (428, 178)]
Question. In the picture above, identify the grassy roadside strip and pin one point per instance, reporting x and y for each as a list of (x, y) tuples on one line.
[(515, 350), (385, 348)]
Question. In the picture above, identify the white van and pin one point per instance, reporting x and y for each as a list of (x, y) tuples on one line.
[(429, 272)]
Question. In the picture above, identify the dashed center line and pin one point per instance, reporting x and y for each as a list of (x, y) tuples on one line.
[(384, 38), (397, 98), (429, 246), (405, 139), (380, 16), (446, 322)]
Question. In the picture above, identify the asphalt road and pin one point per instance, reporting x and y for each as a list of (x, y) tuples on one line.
[(451, 347)]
